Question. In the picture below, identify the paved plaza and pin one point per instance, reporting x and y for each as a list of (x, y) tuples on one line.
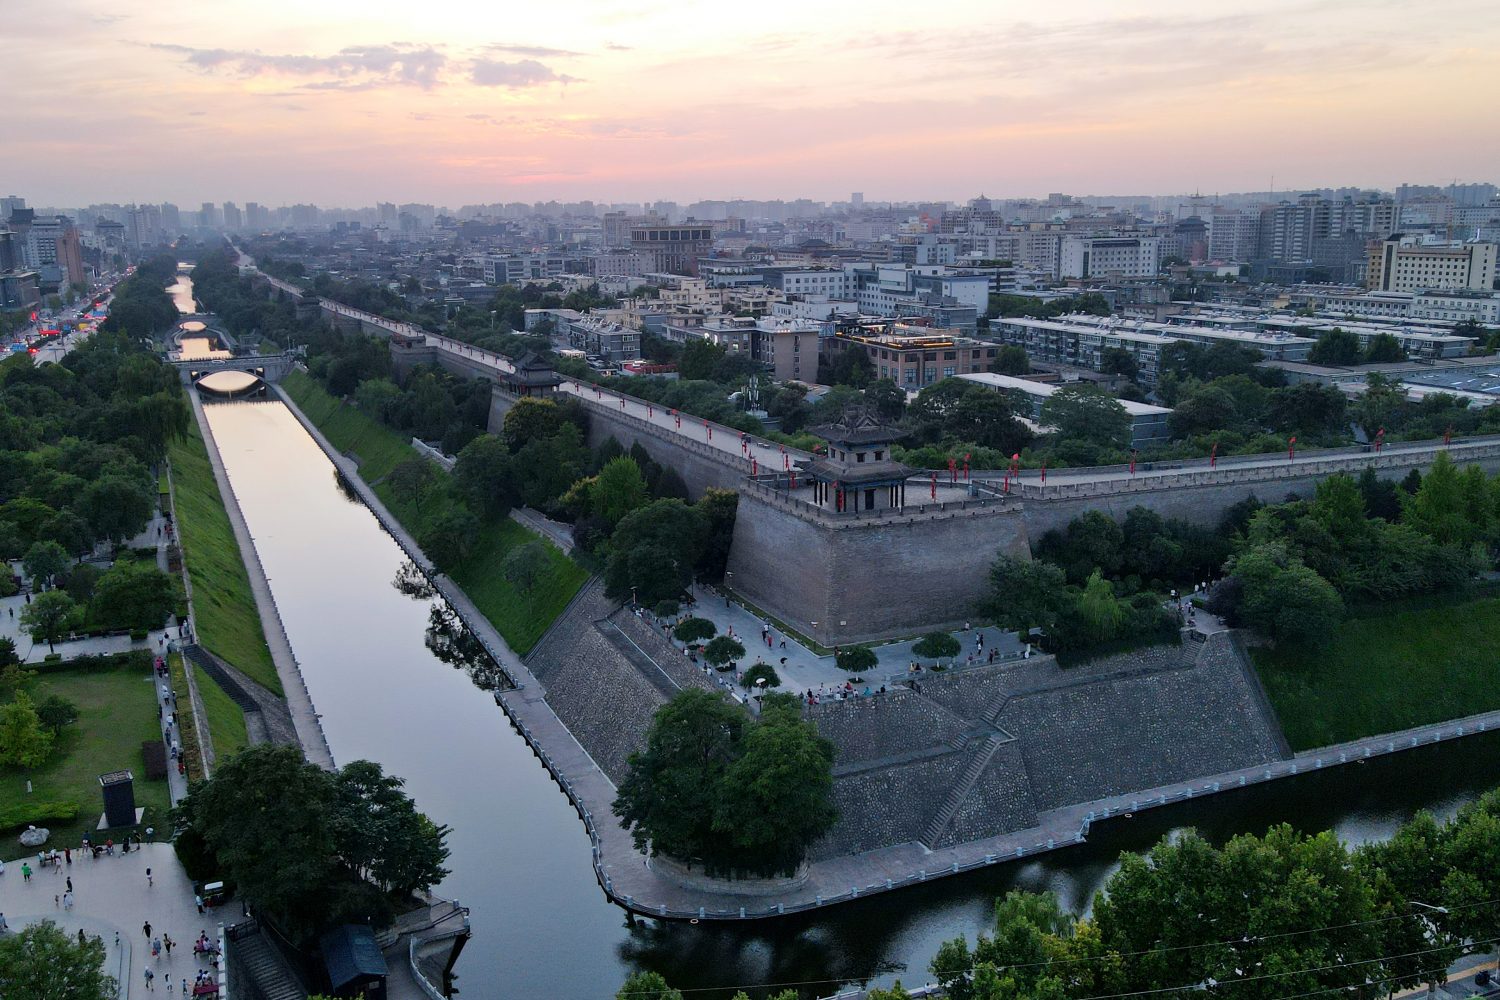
[(111, 897)]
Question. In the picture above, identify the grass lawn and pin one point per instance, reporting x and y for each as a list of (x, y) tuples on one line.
[(187, 728), (116, 713), (226, 721), (520, 617), (227, 620), (1386, 671), (379, 448)]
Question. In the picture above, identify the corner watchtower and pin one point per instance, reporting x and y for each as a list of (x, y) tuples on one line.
[(532, 378), (858, 472)]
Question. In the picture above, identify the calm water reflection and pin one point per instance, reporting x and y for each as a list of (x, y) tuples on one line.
[(396, 685)]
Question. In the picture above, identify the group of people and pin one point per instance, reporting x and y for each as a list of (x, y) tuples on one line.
[(205, 983), (840, 692)]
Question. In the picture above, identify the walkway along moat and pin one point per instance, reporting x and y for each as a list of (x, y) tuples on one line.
[(625, 877)]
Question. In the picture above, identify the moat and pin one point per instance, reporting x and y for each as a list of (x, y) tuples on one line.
[(521, 859)]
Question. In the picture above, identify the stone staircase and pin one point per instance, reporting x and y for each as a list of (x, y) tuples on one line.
[(960, 791), (257, 971)]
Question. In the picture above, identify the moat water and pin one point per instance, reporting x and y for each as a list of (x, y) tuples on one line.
[(521, 861)]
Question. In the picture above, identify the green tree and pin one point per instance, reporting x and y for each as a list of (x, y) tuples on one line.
[(936, 646), (448, 538), (670, 793), (760, 671), (1011, 360), (1384, 349), (1337, 347), (1309, 409), (24, 741), (377, 396), (1205, 409), (133, 595), (647, 986), (855, 659), (524, 565), (1381, 406), (1438, 508), (48, 617), (531, 420), (55, 712), (1088, 416), (1024, 594), (699, 359), (68, 530), (718, 509), (775, 800), (691, 630), (723, 650), (654, 550), (887, 399), (620, 489), (381, 835), (40, 962), (1100, 612), (1284, 598), (484, 474), (115, 508), (1118, 361), (44, 560)]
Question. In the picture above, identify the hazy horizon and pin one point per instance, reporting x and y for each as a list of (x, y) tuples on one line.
[(343, 104)]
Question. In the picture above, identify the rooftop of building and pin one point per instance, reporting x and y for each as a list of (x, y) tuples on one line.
[(1010, 383)]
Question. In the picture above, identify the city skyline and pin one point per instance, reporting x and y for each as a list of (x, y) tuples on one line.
[(607, 101)]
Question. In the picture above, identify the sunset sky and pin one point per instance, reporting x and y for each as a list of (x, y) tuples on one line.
[(343, 102)]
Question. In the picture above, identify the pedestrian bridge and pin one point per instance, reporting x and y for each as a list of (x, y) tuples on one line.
[(267, 367)]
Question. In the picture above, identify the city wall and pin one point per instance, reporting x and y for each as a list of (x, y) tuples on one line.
[(842, 580), (1202, 496)]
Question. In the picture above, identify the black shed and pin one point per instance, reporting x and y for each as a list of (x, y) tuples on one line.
[(354, 963)]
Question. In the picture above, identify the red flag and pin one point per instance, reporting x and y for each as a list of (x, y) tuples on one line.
[(1291, 448), (934, 486), (1213, 456), (1044, 472)]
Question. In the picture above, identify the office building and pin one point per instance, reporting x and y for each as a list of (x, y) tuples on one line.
[(232, 218), (914, 356), (1405, 264), (1110, 257), (673, 249)]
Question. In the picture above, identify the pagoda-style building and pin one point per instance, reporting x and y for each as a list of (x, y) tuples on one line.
[(532, 377), (858, 473)]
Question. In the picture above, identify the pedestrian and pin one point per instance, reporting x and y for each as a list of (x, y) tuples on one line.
[(148, 877), (68, 857), (146, 928), (199, 900), (117, 939), (56, 900), (150, 976), (184, 987), (156, 948), (70, 883), (25, 872), (166, 942), (68, 900), (81, 939), (3, 927)]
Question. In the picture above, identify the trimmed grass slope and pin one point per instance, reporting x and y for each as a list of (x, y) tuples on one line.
[(227, 620), (520, 617), (378, 448), (1387, 671)]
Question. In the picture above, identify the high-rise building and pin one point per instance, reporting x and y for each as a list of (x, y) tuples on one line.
[(1110, 256), (232, 219), (53, 249), (1404, 264), (171, 219), (254, 217), (208, 216), (673, 249), (857, 200), (9, 204)]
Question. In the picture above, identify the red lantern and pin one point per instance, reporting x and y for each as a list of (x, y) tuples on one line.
[(1379, 440), (1132, 461), (1448, 434), (754, 467), (952, 470)]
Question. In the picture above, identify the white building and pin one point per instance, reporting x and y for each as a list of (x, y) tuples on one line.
[(1404, 264), (1148, 423), (1110, 257)]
